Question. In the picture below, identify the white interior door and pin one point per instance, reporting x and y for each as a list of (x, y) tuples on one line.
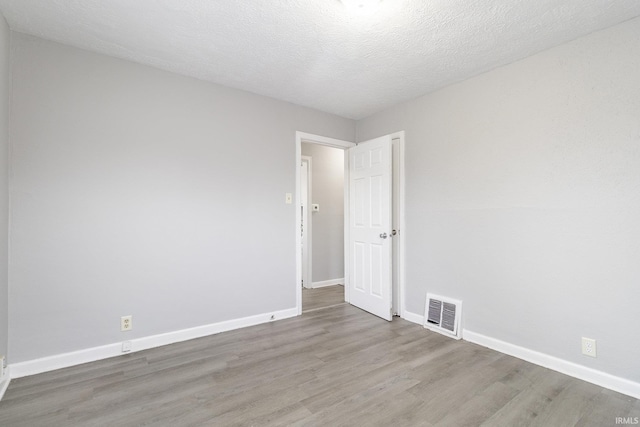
[(370, 175)]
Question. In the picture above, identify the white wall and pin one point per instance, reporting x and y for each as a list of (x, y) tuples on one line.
[(137, 191), (328, 224), (4, 181), (523, 198)]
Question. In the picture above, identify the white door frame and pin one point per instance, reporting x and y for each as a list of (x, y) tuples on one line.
[(399, 305), (307, 278), (344, 145)]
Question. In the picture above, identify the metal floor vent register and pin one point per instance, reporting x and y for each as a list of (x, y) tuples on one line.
[(442, 315)]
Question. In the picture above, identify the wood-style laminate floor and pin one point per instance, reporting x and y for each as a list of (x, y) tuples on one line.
[(328, 296), (331, 367)]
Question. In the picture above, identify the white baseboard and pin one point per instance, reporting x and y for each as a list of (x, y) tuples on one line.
[(59, 361), (324, 283), (584, 373), (50, 363), (413, 318), (4, 382)]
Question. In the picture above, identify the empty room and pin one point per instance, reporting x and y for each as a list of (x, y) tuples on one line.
[(319, 213)]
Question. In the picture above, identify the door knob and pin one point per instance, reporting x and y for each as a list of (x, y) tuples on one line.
[(383, 236)]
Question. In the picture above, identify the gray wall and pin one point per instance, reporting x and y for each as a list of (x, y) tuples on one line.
[(137, 191), (4, 182), (523, 198), (327, 225)]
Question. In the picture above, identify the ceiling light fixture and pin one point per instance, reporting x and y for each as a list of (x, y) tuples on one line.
[(361, 6)]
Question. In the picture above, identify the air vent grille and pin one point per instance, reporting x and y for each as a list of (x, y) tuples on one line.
[(442, 315), (435, 311)]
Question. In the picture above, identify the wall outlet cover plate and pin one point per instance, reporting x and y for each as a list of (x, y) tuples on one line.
[(589, 347)]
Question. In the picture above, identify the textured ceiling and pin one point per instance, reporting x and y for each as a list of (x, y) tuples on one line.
[(314, 52)]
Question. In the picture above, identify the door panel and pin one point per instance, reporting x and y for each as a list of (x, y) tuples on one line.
[(370, 177)]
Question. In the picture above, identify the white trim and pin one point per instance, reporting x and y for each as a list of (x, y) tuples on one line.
[(330, 282), (347, 228), (413, 317), (308, 223), (600, 378), (4, 382), (50, 363), (322, 140), (298, 208), (401, 225)]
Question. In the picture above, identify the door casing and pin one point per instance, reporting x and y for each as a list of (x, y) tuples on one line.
[(305, 223)]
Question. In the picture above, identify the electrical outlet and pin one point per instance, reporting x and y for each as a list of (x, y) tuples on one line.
[(589, 347), (126, 323), (126, 346)]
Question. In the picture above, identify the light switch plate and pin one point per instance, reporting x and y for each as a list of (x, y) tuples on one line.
[(288, 198)]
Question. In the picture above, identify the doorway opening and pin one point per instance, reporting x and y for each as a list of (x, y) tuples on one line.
[(304, 219), (322, 226)]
